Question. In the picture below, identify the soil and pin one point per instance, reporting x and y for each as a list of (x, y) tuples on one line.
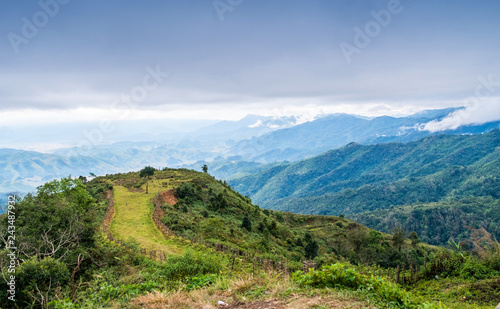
[(169, 197)]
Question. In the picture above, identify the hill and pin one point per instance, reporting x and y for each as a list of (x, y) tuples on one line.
[(209, 209), (359, 178), (192, 241)]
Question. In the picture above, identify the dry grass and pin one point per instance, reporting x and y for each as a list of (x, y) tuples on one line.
[(266, 291)]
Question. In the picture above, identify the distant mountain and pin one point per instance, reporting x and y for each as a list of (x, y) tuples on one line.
[(359, 178), (30, 167), (251, 125), (334, 131), (23, 171)]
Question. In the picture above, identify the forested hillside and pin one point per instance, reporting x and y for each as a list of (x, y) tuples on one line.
[(356, 179), (359, 178), (437, 223)]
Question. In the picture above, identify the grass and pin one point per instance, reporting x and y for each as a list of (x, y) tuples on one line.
[(252, 292), (456, 293), (133, 220)]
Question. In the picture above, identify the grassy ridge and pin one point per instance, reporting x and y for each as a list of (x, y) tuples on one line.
[(133, 221)]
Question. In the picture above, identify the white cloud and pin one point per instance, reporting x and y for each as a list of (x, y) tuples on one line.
[(477, 111)]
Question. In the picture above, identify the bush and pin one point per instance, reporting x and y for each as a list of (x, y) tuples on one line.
[(40, 281), (189, 191), (190, 264), (340, 277), (448, 264)]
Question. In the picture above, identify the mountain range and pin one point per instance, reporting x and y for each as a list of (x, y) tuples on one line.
[(358, 177), (232, 149)]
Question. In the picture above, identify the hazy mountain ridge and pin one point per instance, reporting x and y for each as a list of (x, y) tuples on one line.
[(334, 131), (224, 146)]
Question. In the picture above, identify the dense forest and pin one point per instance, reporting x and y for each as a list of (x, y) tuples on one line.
[(438, 223)]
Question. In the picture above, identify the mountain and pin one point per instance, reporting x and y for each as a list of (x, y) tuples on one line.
[(23, 171), (334, 131), (247, 127), (358, 178)]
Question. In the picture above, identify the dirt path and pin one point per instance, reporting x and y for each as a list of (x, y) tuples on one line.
[(300, 302)]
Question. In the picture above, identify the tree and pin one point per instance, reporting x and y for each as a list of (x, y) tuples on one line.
[(415, 240), (311, 250), (246, 224), (146, 173), (55, 222), (204, 168), (398, 237)]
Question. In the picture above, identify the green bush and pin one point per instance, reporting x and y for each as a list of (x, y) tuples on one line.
[(458, 264), (190, 263), (40, 281), (340, 277), (199, 282)]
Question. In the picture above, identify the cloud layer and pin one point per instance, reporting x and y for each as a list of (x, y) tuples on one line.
[(262, 55), (482, 111)]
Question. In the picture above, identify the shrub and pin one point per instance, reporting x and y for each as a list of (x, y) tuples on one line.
[(41, 281), (340, 277), (190, 264)]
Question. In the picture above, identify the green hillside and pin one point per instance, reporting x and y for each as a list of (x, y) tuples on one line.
[(101, 245), (356, 178), (437, 223), (210, 209)]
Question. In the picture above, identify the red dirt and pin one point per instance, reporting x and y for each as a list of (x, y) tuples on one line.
[(110, 212), (169, 197)]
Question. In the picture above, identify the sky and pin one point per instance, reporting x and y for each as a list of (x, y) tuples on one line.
[(75, 61)]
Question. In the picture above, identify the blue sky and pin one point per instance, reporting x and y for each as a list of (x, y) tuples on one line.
[(266, 57)]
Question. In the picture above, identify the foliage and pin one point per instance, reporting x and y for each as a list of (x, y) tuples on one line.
[(340, 277), (437, 223), (148, 171), (457, 264), (359, 178), (246, 224), (54, 223), (39, 282)]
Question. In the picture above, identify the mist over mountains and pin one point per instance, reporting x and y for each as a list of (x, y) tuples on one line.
[(232, 149)]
